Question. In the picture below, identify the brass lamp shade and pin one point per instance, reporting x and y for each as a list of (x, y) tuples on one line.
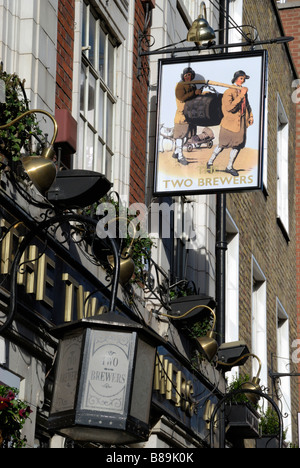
[(127, 266), (200, 31), (41, 170), (208, 346), (253, 385)]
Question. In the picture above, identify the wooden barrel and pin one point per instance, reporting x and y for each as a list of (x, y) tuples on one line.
[(205, 110)]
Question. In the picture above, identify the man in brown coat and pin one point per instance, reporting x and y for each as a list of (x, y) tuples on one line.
[(237, 118), (182, 129)]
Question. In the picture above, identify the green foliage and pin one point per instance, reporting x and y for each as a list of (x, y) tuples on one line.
[(236, 385), (13, 414), (17, 136), (140, 242), (200, 328), (269, 423)]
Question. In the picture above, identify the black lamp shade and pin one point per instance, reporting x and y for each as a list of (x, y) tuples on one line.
[(182, 305), (231, 355), (77, 188)]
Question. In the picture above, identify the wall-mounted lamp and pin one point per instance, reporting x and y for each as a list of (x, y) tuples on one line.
[(254, 384), (77, 188), (127, 265), (40, 169), (201, 30), (232, 354), (207, 345)]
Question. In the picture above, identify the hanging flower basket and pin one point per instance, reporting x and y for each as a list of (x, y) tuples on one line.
[(13, 414), (242, 422)]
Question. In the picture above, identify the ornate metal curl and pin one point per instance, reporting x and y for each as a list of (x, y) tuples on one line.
[(230, 396), (44, 226)]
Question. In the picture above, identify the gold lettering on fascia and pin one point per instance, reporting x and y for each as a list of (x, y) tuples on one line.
[(33, 271), (76, 298), (36, 273), (43, 279), (208, 412), (7, 246), (171, 382), (27, 273)]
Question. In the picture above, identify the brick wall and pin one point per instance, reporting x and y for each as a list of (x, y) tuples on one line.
[(139, 117), (290, 15), (255, 213), (65, 42)]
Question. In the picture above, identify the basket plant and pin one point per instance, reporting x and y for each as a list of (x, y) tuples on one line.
[(13, 414), (269, 423)]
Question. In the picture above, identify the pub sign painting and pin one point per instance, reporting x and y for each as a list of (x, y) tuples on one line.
[(210, 123)]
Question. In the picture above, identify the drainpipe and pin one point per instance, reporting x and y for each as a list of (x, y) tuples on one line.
[(221, 241)]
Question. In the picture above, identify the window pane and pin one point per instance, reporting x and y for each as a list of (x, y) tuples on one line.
[(92, 35), (92, 94), (82, 89), (109, 121), (80, 149), (108, 165), (90, 150), (100, 112), (83, 38), (102, 53), (99, 162), (110, 65)]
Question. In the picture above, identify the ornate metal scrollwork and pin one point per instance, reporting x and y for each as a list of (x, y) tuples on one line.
[(230, 396), (64, 225)]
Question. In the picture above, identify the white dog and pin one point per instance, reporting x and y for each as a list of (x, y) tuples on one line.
[(166, 133)]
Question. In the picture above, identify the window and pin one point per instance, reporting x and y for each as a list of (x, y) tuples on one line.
[(282, 168), (192, 7), (9, 379), (259, 321), (232, 281), (236, 13), (97, 98), (183, 229), (283, 364), (2, 351), (232, 288)]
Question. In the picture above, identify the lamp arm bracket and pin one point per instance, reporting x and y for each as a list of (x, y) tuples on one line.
[(278, 375), (34, 111)]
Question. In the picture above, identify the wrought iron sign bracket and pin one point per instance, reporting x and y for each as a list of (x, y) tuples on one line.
[(144, 39), (213, 46)]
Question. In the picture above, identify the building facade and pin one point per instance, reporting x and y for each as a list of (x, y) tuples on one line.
[(86, 62), (290, 15)]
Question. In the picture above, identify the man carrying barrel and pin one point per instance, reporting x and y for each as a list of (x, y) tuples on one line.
[(182, 129), (237, 118)]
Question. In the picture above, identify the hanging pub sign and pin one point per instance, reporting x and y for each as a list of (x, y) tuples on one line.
[(210, 123)]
